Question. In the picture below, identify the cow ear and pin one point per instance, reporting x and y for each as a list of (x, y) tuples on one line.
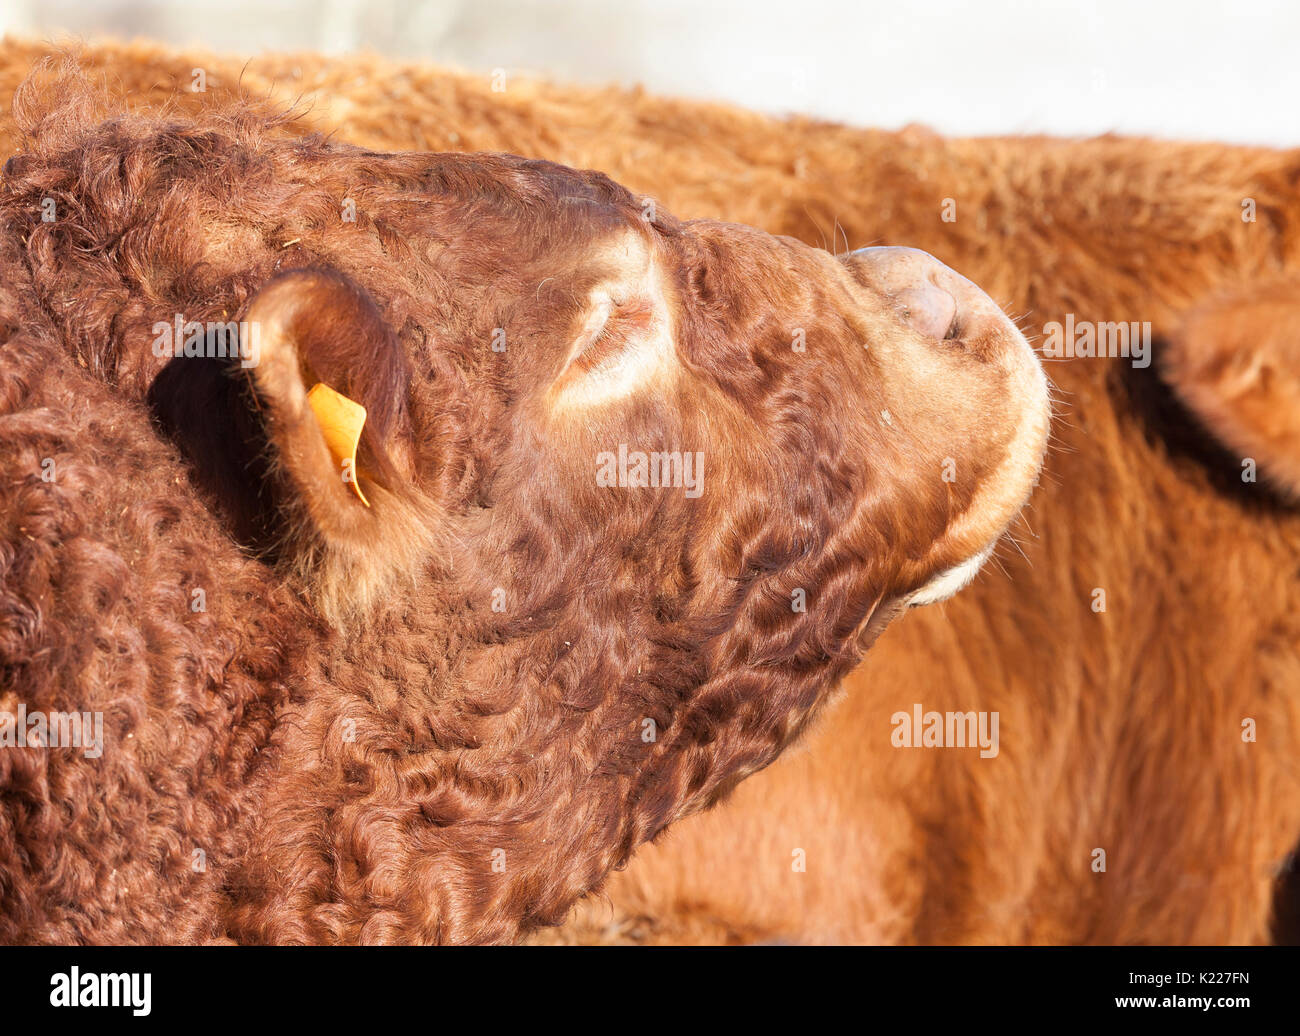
[(1235, 362), (331, 383)]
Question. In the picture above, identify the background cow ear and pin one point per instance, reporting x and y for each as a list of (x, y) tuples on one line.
[(331, 384), (1235, 362)]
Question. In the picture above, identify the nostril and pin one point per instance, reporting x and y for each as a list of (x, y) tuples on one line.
[(931, 298), (931, 309)]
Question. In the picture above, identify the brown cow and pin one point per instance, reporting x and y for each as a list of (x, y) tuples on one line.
[(419, 534), (1128, 730)]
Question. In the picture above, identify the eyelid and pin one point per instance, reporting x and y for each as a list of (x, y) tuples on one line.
[(624, 319), (623, 341)]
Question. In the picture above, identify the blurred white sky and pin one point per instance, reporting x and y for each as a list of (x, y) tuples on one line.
[(1227, 71)]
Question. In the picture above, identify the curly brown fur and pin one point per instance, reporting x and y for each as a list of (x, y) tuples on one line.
[(1127, 724), (348, 740)]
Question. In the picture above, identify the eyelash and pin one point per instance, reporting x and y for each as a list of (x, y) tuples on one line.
[(623, 319)]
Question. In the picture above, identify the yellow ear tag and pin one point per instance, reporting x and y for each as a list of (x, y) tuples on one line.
[(341, 420)]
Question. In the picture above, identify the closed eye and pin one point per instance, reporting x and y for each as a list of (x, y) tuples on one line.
[(624, 342), (624, 322)]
